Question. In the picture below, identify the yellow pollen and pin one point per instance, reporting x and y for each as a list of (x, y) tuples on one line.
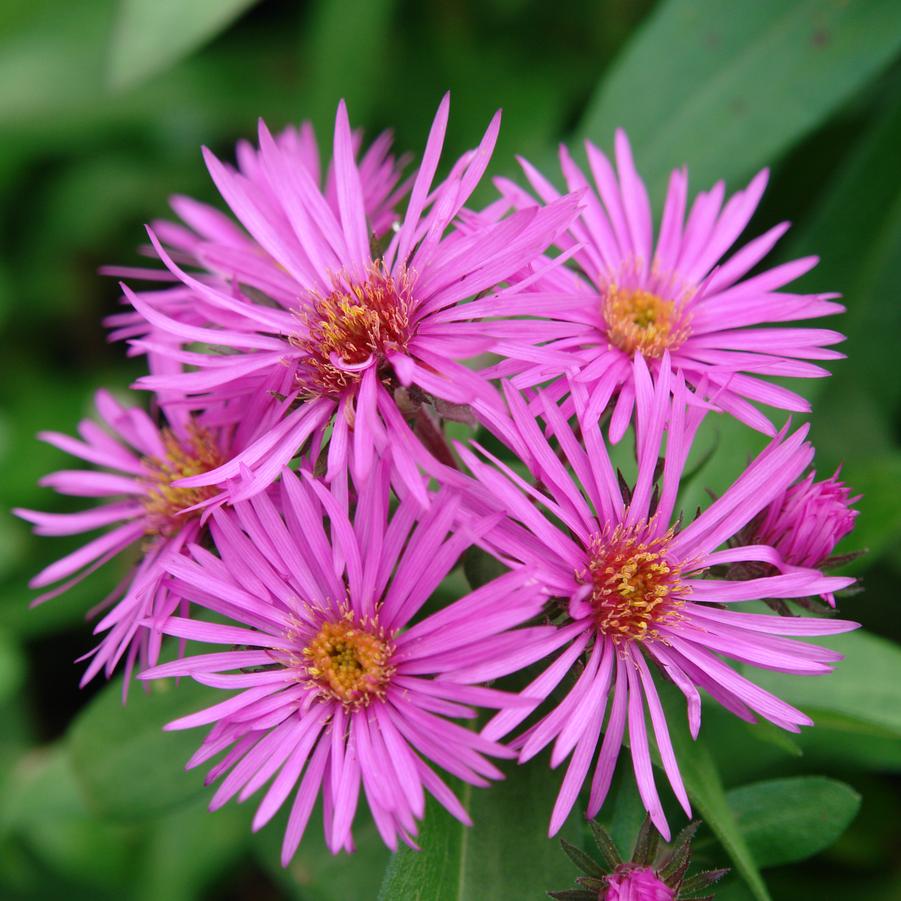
[(639, 321), (354, 323), (635, 587), (163, 502), (349, 661)]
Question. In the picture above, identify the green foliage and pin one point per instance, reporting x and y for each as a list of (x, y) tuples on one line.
[(127, 766), (152, 34), (103, 107), (315, 874), (712, 80), (12, 666), (349, 52), (505, 854), (784, 820), (705, 790), (864, 691)]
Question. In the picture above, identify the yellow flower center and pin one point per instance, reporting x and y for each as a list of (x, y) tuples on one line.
[(636, 588), (642, 322), (351, 325), (349, 661), (164, 502)]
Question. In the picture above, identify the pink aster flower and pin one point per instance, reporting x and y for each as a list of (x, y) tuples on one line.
[(804, 524), (641, 590), (350, 329), (675, 297), (631, 883), (339, 685), (139, 461), (208, 239), (806, 521)]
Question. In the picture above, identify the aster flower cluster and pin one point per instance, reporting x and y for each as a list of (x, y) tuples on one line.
[(294, 501)]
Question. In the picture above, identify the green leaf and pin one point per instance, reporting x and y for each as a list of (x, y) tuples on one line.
[(480, 567), (347, 53), (127, 766), (624, 811), (878, 527), (12, 666), (152, 34), (505, 854), (784, 820), (189, 849), (728, 87), (856, 230), (865, 687), (314, 873), (44, 809), (705, 789)]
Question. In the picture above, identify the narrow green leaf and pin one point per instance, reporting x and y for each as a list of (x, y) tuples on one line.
[(152, 34), (705, 789), (347, 52), (586, 864), (856, 230), (12, 666), (505, 854), (127, 766), (624, 811), (727, 87), (785, 820)]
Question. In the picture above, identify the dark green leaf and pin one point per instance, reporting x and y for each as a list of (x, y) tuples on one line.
[(314, 873), (625, 812), (784, 820), (505, 854), (480, 567), (347, 51), (727, 87), (705, 788), (605, 845), (127, 766), (12, 666), (586, 864), (152, 34), (189, 849), (45, 809), (856, 230)]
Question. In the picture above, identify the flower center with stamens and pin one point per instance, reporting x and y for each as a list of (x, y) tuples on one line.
[(642, 322), (355, 324), (636, 587), (348, 661), (163, 501)]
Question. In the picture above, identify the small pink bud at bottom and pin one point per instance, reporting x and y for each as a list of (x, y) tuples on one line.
[(631, 883)]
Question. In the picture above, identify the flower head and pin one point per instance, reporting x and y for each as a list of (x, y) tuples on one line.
[(141, 462), (806, 521), (224, 253), (638, 590), (674, 297), (340, 685), (652, 874), (337, 325)]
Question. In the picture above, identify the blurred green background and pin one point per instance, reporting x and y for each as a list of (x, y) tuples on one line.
[(103, 107)]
